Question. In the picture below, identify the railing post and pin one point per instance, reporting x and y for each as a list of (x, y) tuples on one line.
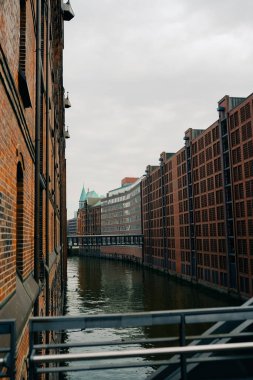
[(32, 370), (13, 350), (182, 343)]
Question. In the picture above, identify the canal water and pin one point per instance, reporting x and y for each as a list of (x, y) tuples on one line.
[(99, 286)]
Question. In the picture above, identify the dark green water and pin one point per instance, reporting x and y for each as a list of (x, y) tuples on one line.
[(103, 286)]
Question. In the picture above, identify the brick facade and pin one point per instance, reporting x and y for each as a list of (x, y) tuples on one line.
[(89, 219), (20, 293), (197, 204)]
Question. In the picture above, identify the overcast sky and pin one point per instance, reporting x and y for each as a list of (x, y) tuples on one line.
[(141, 72)]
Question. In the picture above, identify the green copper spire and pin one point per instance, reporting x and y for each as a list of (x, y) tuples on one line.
[(83, 195)]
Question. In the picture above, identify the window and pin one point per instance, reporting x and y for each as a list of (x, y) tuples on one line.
[(210, 183), (202, 171), (220, 213), (216, 149), (241, 228), (246, 131), (208, 138), (209, 153), (215, 133), (203, 200), (211, 199), (219, 196), (248, 169), (19, 219), (218, 180), (239, 209), (209, 168), (236, 155), (217, 164), (248, 150), (22, 38), (235, 137), (242, 246), (239, 191), (245, 112), (23, 86), (237, 171)]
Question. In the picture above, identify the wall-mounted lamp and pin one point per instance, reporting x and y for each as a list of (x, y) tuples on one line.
[(67, 11), (67, 103), (66, 133)]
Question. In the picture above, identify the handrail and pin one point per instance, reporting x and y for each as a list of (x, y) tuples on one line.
[(97, 355), (192, 316), (219, 342)]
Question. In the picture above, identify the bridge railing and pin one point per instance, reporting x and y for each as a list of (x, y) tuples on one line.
[(104, 240), (7, 348), (166, 352)]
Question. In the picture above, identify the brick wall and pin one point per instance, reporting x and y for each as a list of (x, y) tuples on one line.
[(17, 170), (128, 252), (197, 205)]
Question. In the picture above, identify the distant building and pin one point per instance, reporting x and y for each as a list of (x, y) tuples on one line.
[(72, 226), (89, 213), (121, 215)]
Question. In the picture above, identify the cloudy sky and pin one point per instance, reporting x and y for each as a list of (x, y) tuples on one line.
[(141, 72)]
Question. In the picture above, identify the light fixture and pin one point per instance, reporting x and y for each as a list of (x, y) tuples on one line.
[(66, 133), (67, 11), (67, 103)]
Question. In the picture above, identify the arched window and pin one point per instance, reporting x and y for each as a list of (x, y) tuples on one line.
[(20, 220)]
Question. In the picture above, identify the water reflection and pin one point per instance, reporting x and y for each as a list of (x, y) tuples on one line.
[(102, 286)]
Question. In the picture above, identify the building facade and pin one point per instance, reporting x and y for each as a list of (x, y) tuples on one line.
[(32, 165), (197, 204), (121, 215), (72, 226), (89, 214)]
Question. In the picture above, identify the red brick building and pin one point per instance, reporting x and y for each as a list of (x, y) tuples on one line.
[(197, 204), (89, 214), (32, 164)]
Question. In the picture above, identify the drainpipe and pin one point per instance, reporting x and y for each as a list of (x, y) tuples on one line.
[(37, 151), (47, 161)]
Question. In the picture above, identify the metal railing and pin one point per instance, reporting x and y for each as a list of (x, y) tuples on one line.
[(7, 348), (216, 344), (104, 240)]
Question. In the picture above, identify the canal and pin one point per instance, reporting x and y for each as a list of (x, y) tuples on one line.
[(98, 286)]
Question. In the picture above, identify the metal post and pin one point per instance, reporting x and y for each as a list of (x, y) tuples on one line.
[(182, 343), (32, 370), (13, 350)]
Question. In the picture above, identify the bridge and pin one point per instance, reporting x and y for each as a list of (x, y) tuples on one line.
[(223, 351), (103, 240)]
